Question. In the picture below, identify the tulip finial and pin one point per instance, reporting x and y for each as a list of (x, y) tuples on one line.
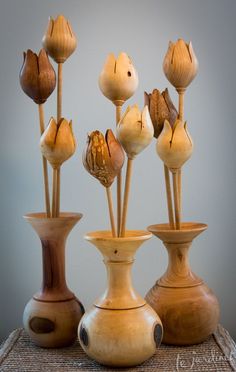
[(59, 39), (119, 79)]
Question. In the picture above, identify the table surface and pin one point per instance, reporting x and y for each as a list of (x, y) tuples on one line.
[(217, 353)]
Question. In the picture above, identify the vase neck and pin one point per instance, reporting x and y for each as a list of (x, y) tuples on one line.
[(178, 273), (120, 293)]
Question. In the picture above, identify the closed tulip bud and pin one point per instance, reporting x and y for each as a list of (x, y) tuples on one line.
[(103, 157), (174, 145), (135, 130), (37, 76), (180, 64), (118, 80), (58, 142), (59, 39), (161, 108)]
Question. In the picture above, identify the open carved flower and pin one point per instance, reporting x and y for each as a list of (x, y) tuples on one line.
[(118, 80), (58, 142), (180, 64), (103, 157), (135, 130), (37, 76), (161, 108), (59, 39), (174, 145)]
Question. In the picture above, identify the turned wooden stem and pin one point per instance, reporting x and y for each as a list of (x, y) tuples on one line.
[(119, 181), (59, 92), (54, 193), (59, 116), (169, 197), (178, 265), (181, 92), (126, 195), (111, 213), (45, 165), (176, 199)]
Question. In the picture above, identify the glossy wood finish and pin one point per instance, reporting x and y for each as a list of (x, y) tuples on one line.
[(187, 307), (120, 329), (51, 318)]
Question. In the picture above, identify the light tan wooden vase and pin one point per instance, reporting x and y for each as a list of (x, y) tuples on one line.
[(52, 316), (188, 309), (121, 329)]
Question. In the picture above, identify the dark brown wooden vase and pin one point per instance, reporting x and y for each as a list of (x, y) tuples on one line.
[(52, 316)]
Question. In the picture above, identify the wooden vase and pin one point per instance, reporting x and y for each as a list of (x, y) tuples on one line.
[(188, 309), (121, 329), (52, 316)]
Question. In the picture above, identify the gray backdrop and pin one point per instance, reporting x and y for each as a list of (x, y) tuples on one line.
[(142, 29)]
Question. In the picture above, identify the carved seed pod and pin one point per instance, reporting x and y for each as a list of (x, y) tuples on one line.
[(135, 130), (180, 64), (161, 108), (59, 39), (103, 157), (37, 76), (58, 142), (174, 145), (119, 79)]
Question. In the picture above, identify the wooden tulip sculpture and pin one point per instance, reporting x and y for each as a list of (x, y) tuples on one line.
[(60, 42), (175, 146), (180, 66), (161, 108), (118, 81), (38, 81), (57, 145), (103, 158), (135, 132)]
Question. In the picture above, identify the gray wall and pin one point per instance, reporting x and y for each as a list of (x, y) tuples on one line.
[(143, 29)]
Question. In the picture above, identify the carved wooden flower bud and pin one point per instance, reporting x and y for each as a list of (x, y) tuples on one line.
[(180, 64), (174, 145), (103, 157), (135, 130), (161, 108), (59, 39), (118, 80), (37, 76), (58, 142)]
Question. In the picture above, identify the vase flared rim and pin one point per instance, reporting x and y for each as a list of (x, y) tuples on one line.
[(63, 216), (106, 235), (185, 227), (188, 231)]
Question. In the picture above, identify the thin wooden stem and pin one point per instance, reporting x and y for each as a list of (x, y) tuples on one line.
[(119, 182), (180, 192), (111, 213), (126, 196), (169, 197), (58, 192), (59, 92), (54, 193), (59, 115), (45, 165), (176, 200), (179, 174)]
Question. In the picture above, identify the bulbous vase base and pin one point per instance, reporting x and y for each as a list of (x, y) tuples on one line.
[(189, 315), (120, 338), (52, 324), (189, 310)]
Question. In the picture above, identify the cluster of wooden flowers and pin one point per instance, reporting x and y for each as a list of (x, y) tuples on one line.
[(38, 80), (104, 156)]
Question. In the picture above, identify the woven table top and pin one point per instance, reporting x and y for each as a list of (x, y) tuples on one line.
[(217, 353)]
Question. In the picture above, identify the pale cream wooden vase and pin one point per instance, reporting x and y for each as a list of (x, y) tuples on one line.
[(188, 309), (121, 329), (52, 316)]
